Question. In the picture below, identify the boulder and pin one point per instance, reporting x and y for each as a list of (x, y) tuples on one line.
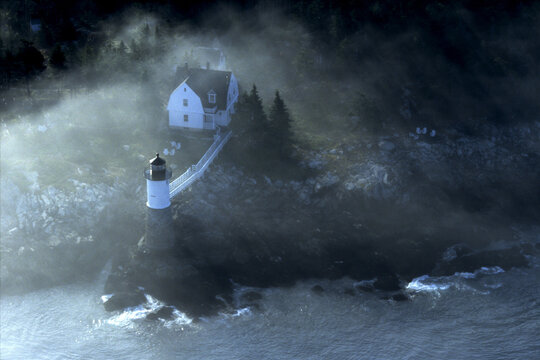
[(387, 283), (122, 300), (165, 313)]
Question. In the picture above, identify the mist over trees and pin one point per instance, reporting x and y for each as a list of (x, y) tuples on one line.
[(340, 87), (466, 62)]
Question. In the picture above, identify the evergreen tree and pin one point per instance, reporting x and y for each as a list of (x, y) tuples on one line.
[(135, 50), (280, 127), (257, 120), (31, 61), (119, 59), (122, 48), (160, 42), (58, 62), (240, 120), (145, 42), (250, 121), (58, 59), (9, 67)]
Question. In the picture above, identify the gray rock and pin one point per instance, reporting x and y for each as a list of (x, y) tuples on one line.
[(386, 145), (123, 300)]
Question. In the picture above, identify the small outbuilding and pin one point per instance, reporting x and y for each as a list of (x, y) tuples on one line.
[(204, 99)]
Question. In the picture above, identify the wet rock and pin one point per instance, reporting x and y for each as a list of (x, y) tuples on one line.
[(251, 296), (387, 283), (365, 288), (122, 300), (349, 291), (164, 313), (504, 258), (400, 297), (317, 289), (528, 249)]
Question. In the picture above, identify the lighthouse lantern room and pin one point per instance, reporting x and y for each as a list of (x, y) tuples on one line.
[(157, 184)]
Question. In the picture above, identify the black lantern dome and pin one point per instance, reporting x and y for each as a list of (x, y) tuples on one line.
[(158, 169)]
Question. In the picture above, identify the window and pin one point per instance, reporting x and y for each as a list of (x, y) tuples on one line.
[(212, 97), (185, 90), (185, 117), (185, 102)]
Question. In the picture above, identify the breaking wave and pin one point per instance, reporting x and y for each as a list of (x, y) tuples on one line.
[(129, 316), (436, 284)]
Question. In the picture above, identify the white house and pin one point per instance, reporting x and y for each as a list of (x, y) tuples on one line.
[(204, 100)]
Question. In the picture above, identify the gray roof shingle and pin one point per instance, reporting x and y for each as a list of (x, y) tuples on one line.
[(202, 81)]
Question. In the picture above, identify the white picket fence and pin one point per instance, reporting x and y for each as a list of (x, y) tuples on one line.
[(197, 170)]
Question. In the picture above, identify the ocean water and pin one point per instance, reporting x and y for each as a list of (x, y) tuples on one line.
[(489, 314)]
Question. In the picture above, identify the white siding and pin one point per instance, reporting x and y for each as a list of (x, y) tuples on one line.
[(157, 194), (177, 110), (220, 118)]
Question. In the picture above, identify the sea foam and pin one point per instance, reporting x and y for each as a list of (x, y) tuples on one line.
[(426, 283)]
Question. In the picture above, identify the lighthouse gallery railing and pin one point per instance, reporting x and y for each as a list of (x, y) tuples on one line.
[(197, 170)]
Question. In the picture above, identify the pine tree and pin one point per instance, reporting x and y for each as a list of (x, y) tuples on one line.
[(58, 59), (258, 122), (135, 50), (280, 127), (121, 50), (160, 43), (32, 62), (241, 116)]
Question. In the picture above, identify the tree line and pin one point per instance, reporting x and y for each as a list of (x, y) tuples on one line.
[(263, 137)]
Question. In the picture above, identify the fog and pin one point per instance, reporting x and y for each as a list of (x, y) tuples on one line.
[(73, 194)]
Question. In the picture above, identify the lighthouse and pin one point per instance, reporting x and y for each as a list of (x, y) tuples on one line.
[(159, 233), (157, 184)]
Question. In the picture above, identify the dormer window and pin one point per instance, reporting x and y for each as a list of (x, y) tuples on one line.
[(211, 97)]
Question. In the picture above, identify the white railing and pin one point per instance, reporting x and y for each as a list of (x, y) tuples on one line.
[(197, 170)]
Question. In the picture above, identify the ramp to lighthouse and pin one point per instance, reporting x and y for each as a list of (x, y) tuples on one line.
[(196, 171)]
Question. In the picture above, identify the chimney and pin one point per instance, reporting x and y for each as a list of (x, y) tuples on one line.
[(208, 65), (186, 67)]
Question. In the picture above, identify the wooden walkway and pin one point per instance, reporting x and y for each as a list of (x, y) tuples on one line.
[(197, 170)]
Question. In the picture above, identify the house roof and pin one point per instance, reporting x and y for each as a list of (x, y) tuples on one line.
[(202, 81)]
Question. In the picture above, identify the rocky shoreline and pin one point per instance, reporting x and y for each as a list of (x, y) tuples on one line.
[(379, 210), (389, 227)]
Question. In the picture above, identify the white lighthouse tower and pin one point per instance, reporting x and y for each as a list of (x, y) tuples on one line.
[(157, 184), (159, 233)]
